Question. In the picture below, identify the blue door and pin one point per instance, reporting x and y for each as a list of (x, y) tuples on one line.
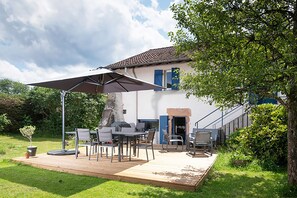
[(163, 126)]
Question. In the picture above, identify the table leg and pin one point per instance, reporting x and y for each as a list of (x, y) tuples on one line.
[(119, 149), (134, 145)]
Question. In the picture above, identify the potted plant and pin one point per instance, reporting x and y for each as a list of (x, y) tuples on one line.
[(28, 131)]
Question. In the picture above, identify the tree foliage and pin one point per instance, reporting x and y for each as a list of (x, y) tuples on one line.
[(28, 132), (81, 110), (242, 48), (237, 47), (11, 87), (42, 107)]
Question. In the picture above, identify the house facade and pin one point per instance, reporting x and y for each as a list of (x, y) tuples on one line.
[(168, 109)]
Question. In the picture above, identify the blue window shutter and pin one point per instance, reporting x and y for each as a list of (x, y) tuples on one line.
[(267, 101), (254, 99), (175, 78), (163, 126), (158, 79)]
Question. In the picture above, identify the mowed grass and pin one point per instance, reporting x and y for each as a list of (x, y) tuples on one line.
[(18, 180)]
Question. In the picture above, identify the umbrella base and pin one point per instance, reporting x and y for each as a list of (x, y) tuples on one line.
[(61, 152)]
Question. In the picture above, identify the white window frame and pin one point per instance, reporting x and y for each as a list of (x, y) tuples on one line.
[(165, 78)]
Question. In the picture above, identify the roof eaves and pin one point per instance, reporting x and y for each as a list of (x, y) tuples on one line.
[(150, 63)]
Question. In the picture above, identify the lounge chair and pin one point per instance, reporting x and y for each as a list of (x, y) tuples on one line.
[(202, 139), (172, 140)]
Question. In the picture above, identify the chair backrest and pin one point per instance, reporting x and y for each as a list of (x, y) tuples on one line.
[(203, 137), (105, 135), (128, 129), (151, 135), (132, 125), (165, 134), (83, 134), (140, 126), (113, 129)]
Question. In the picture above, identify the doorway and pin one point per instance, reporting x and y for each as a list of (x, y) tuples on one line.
[(179, 121), (179, 126)]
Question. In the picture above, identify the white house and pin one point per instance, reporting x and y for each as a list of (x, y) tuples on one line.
[(167, 109)]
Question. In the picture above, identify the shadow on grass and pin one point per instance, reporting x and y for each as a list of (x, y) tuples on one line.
[(226, 185), (37, 139), (49, 181)]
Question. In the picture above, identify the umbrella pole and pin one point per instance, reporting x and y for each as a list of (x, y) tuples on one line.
[(63, 94), (63, 151)]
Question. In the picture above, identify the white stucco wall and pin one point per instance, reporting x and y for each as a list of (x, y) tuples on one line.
[(151, 104)]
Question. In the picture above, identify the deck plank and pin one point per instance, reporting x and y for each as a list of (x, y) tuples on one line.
[(174, 170)]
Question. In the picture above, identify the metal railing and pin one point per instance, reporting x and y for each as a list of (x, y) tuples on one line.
[(221, 118)]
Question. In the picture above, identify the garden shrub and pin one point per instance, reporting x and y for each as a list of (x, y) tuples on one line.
[(266, 138), (4, 121), (240, 156), (12, 106)]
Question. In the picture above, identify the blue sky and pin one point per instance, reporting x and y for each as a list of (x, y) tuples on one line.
[(40, 40)]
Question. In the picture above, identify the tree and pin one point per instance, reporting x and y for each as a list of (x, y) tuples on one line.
[(11, 87), (240, 48), (81, 110)]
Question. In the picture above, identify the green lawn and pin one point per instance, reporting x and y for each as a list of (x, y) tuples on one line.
[(224, 181)]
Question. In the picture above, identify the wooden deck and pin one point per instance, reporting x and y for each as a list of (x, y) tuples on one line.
[(170, 169)]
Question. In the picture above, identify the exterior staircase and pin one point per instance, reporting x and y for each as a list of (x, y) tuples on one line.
[(227, 123)]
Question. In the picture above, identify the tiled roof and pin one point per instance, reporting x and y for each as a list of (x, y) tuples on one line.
[(157, 56)]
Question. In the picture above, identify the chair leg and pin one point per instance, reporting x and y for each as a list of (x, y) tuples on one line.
[(76, 151), (153, 151), (167, 146), (146, 154), (130, 152), (97, 154), (90, 152), (138, 151), (127, 145), (111, 153)]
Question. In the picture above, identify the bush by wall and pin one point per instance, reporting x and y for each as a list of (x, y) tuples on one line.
[(265, 140)]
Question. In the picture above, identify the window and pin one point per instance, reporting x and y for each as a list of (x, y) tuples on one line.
[(168, 79), (150, 124)]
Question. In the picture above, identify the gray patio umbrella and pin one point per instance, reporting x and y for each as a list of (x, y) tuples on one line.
[(96, 81)]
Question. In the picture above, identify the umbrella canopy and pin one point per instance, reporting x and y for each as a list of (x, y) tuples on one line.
[(98, 81)]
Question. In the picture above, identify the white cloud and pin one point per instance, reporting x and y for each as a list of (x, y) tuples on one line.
[(52, 35), (155, 4), (30, 72)]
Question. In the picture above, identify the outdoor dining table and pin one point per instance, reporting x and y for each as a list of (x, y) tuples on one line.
[(121, 136), (127, 135)]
